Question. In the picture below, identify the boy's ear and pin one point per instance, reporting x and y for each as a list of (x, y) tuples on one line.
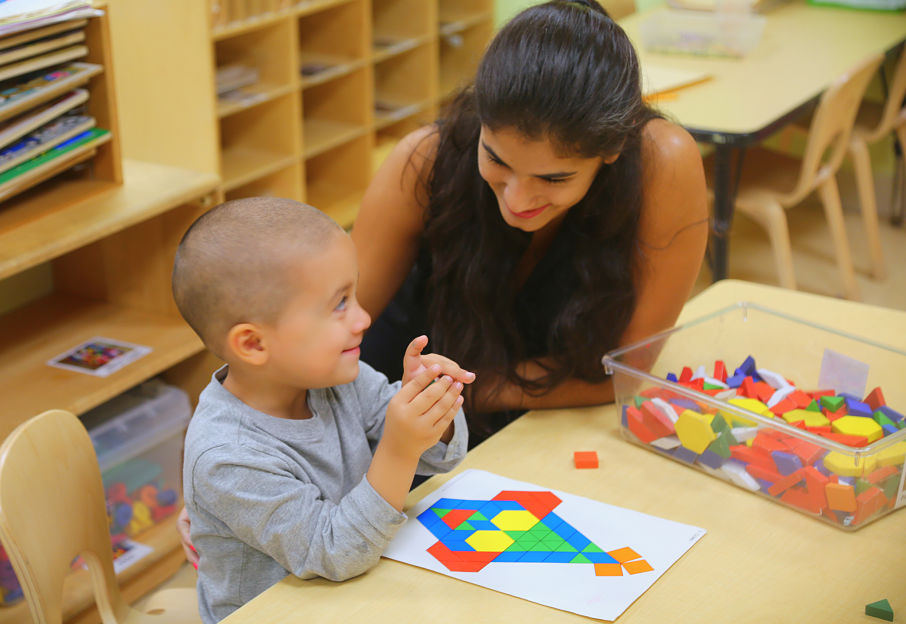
[(246, 342), (609, 160)]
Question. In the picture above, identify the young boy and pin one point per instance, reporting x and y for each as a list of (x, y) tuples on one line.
[(299, 458)]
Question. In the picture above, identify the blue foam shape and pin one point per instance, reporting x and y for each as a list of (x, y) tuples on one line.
[(509, 555), (857, 408), (446, 503), (458, 544), (685, 403), (623, 417), (561, 557), (672, 377), (734, 381), (483, 525), (440, 530), (787, 463), (683, 454), (820, 467), (565, 531), (536, 556), (552, 520), (747, 366), (892, 414), (508, 504), (889, 429), (428, 517), (711, 459), (764, 485), (578, 541), (599, 557)]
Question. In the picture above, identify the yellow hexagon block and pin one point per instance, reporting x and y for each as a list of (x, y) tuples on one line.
[(514, 520), (849, 465), (694, 430), (858, 426), (489, 541), (812, 419), (893, 455)]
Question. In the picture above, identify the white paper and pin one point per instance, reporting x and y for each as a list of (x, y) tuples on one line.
[(568, 586)]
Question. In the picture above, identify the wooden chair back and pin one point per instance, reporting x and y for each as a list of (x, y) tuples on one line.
[(894, 112), (52, 509), (829, 132)]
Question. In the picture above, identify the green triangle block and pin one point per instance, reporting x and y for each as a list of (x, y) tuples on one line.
[(465, 526), (882, 419), (721, 445), (516, 547), (719, 425), (890, 485), (639, 400), (580, 558), (566, 547), (553, 543), (813, 406), (833, 403), (541, 546), (862, 485), (711, 386), (515, 534), (442, 512), (880, 609), (592, 548), (477, 516), (540, 532)]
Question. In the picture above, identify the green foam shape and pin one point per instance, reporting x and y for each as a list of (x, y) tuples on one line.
[(465, 526), (477, 516), (566, 547), (442, 512), (580, 558), (592, 548), (833, 403), (880, 609), (813, 406)]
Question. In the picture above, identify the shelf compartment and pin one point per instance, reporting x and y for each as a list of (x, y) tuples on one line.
[(337, 111), (320, 68), (229, 18), (399, 25), (460, 54), (404, 85), (51, 325), (38, 226), (335, 37), (337, 179), (260, 58), (286, 182), (250, 97), (258, 141), (455, 15)]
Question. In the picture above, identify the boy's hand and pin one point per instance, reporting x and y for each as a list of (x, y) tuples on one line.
[(421, 412), (414, 362)]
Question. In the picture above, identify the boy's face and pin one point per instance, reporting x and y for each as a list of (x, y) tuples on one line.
[(315, 341)]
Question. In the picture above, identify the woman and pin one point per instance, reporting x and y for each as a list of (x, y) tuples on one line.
[(549, 217)]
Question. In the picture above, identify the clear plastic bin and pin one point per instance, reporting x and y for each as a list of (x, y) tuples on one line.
[(788, 459), (732, 34)]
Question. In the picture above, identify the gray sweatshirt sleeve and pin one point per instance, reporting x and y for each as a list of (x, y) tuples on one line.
[(258, 498)]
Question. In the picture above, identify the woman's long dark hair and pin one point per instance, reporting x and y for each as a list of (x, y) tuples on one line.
[(561, 71)]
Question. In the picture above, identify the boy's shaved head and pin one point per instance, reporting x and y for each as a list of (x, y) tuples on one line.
[(233, 263)]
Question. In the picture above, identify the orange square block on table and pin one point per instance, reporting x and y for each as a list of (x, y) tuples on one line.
[(586, 459)]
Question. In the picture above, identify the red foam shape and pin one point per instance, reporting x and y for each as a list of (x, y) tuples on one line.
[(821, 430), (881, 474), (806, 451), (455, 517), (875, 399), (784, 483), (801, 499), (765, 474), (636, 423), (720, 371), (782, 407), (585, 459), (799, 398), (686, 374), (817, 394), (768, 443), (849, 440), (816, 486), (454, 562), (753, 456), (538, 503), (655, 421), (868, 503), (747, 389), (764, 391)]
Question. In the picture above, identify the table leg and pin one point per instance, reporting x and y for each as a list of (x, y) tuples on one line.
[(724, 197)]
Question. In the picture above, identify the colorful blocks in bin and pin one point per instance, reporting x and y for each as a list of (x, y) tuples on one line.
[(585, 459)]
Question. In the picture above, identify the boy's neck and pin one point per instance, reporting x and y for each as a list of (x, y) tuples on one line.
[(273, 399)]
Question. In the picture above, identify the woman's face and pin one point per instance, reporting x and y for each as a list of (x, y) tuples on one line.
[(534, 185)]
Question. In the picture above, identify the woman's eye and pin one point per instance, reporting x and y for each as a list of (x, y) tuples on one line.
[(557, 180), (494, 159)]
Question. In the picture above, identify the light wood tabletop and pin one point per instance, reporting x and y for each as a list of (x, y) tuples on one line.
[(759, 561), (802, 50)]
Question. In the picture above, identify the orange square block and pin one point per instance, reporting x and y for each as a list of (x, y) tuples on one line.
[(586, 459), (608, 569), (840, 497)]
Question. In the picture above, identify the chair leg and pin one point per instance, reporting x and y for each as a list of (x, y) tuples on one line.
[(868, 205), (899, 179), (830, 197), (772, 217)]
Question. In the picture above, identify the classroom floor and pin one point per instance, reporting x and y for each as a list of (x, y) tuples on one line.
[(816, 269)]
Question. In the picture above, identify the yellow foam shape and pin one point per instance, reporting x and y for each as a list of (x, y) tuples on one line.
[(753, 405), (894, 455), (514, 520), (812, 419), (694, 430), (859, 426), (848, 465), (489, 541)]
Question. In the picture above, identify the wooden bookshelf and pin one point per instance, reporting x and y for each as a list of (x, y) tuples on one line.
[(366, 72)]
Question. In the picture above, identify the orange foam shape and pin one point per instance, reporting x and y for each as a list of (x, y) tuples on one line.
[(634, 567), (608, 569), (624, 554)]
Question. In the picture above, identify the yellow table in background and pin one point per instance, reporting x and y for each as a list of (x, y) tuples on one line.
[(759, 561), (802, 50)]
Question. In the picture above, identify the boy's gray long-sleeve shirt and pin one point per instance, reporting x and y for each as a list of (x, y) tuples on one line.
[(269, 496)]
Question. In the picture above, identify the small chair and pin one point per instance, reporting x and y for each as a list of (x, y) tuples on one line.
[(772, 182), (873, 123), (52, 509)]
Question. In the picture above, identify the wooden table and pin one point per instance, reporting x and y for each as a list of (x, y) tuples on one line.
[(802, 50), (759, 562)]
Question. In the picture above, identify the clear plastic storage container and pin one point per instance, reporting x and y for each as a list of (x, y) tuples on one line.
[(807, 460), (716, 33)]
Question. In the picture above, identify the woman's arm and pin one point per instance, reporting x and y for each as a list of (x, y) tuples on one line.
[(391, 218), (673, 232)]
